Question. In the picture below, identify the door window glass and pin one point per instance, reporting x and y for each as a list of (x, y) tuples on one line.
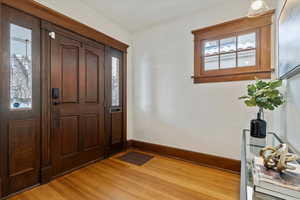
[(20, 67), (115, 81)]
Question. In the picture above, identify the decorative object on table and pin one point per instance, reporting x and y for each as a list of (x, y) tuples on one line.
[(258, 126), (289, 39), (258, 8), (285, 185), (264, 95), (277, 158)]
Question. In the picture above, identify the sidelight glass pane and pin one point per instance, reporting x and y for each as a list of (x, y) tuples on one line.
[(228, 45), (20, 67), (228, 60), (247, 58), (115, 82), (247, 41), (211, 63), (211, 47)]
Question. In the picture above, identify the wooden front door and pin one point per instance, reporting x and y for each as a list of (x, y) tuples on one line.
[(77, 110), (19, 101)]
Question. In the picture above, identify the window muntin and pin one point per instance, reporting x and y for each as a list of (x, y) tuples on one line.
[(20, 67), (115, 82), (230, 52)]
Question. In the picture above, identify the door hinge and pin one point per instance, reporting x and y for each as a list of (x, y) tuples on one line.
[(52, 35)]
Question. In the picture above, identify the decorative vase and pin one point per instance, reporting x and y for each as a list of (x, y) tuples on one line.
[(259, 126)]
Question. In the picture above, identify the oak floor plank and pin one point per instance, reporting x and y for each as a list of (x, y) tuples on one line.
[(160, 178)]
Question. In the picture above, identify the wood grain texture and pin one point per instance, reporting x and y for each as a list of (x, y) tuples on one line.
[(78, 116), (190, 156), (243, 24), (45, 13), (20, 128), (22, 146), (161, 178)]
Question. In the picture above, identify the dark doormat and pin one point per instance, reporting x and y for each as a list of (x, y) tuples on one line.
[(135, 158)]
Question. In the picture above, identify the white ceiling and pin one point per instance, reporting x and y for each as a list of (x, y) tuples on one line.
[(136, 15)]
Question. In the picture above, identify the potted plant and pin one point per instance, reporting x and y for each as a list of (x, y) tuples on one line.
[(264, 95)]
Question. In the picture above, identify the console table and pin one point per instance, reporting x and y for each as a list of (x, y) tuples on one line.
[(251, 148)]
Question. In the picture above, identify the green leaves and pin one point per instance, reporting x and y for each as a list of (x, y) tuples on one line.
[(275, 84), (250, 102), (244, 97), (264, 94), (251, 89)]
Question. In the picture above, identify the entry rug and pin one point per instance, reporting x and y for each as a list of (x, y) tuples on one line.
[(135, 158)]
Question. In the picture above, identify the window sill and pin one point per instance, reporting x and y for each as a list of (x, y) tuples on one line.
[(233, 77)]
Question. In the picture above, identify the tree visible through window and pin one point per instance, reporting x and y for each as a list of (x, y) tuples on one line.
[(20, 68)]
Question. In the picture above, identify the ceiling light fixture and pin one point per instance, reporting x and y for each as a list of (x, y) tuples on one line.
[(258, 8)]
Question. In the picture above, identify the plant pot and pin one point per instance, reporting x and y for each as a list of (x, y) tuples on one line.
[(258, 127)]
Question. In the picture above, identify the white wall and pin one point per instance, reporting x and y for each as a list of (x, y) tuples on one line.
[(86, 15), (168, 108)]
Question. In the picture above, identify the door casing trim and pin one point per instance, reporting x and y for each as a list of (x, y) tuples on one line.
[(50, 15)]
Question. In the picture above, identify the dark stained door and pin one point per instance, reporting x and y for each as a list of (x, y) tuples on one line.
[(20, 101), (115, 101), (77, 82)]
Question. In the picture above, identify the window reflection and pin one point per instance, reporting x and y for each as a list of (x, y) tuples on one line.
[(115, 84), (20, 67), (247, 41), (230, 52), (227, 60), (228, 45), (211, 48), (246, 58), (211, 63)]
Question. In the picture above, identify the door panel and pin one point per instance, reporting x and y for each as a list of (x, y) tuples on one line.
[(77, 75), (92, 77), (69, 136), (116, 130), (23, 141), (70, 69), (22, 146), (91, 136), (20, 100)]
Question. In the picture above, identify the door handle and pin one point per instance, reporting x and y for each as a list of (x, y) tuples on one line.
[(55, 93), (55, 96), (55, 103), (115, 110)]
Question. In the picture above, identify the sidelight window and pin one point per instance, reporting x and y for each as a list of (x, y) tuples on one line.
[(115, 81), (20, 67)]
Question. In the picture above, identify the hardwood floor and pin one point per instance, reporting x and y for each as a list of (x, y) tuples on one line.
[(160, 178)]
